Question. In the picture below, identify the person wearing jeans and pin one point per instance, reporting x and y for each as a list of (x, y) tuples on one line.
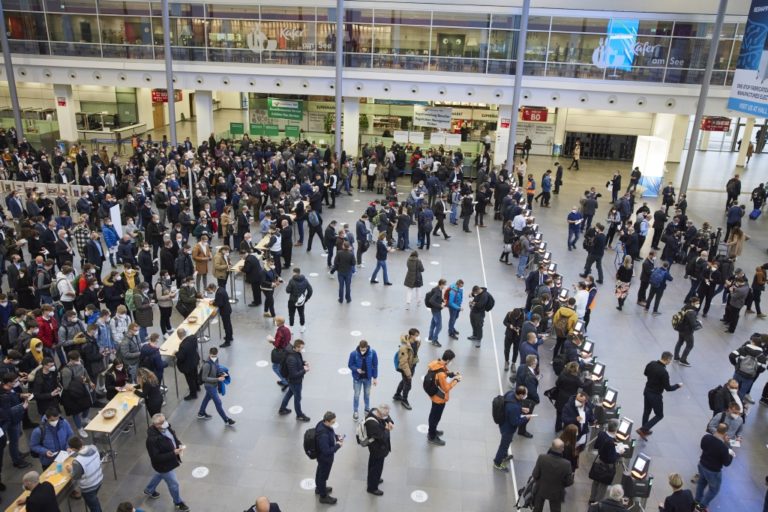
[(212, 376), (715, 454), (513, 418), (344, 265), (164, 450), (86, 471), (406, 365), (525, 248), (293, 369), (436, 304), (280, 341), (455, 298), (657, 382), (364, 365), (381, 259), (439, 368)]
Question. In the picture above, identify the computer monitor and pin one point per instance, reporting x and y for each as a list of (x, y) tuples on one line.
[(547, 256), (610, 398), (587, 346), (552, 268), (625, 429), (537, 236), (563, 295), (578, 327), (598, 371), (640, 467)]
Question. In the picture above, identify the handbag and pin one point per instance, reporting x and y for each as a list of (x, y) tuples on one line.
[(601, 472)]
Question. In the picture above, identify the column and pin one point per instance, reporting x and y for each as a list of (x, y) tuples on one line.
[(560, 121), (351, 126), (703, 141), (244, 105), (502, 135), (672, 128), (204, 115), (746, 136), (145, 107), (65, 112)]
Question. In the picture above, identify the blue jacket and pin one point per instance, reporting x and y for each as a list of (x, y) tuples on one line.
[(546, 183), (54, 440), (735, 213), (455, 297), (325, 438), (527, 349), (150, 358), (110, 235), (513, 411), (104, 337), (371, 364)]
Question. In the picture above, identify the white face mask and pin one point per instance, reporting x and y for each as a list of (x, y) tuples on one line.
[(165, 425), (53, 423), (214, 359), (119, 368)]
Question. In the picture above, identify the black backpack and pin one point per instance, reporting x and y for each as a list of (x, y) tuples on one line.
[(428, 298), (430, 381), (715, 398), (310, 443), (499, 408), (490, 302)]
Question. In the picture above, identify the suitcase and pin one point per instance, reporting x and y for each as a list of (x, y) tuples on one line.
[(755, 214)]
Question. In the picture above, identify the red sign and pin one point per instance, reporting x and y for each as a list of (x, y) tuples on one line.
[(535, 114), (716, 124), (504, 123), (61, 101), (161, 95)]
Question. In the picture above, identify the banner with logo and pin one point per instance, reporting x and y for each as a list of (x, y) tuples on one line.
[(432, 117), (285, 109), (749, 93)]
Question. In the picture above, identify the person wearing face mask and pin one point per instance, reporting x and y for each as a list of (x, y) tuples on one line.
[(147, 265), (187, 297), (116, 379), (187, 361), (48, 331), (86, 471), (12, 408), (221, 265), (50, 437), (201, 255), (184, 265), (166, 293), (119, 323), (76, 388), (143, 314), (648, 265), (114, 291), (129, 349), (165, 451), (212, 375), (45, 387)]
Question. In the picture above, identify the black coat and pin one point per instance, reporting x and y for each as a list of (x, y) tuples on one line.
[(553, 474), (187, 357), (92, 254), (161, 450), (221, 300), (376, 430), (254, 273), (42, 499)]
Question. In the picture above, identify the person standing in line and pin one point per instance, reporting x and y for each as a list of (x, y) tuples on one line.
[(681, 500), (407, 357), (381, 259), (653, 400), (552, 473), (749, 363), (254, 275), (575, 220), (187, 361), (466, 211), (221, 301), (378, 427), (344, 265), (525, 250), (201, 255), (595, 254), (442, 390), (212, 376), (658, 283), (280, 342), (328, 443), (737, 297), (688, 324), (563, 322), (646, 269), (614, 501), (608, 454), (715, 455), (758, 287), (364, 365), (480, 303), (514, 416), (165, 451), (86, 471), (436, 303), (413, 279), (455, 299), (299, 292), (42, 495), (293, 368)]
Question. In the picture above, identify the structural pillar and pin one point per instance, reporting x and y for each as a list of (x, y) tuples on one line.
[(518, 83), (672, 128), (746, 136), (502, 134), (703, 92), (245, 106), (351, 128), (169, 77), (65, 112), (204, 115), (339, 69), (9, 76)]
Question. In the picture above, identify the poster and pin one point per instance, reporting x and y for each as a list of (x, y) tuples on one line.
[(285, 109), (416, 137), (453, 139), (401, 136), (749, 93), (432, 117), (437, 138)]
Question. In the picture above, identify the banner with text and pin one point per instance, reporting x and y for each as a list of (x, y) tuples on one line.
[(285, 109), (432, 117), (749, 93)]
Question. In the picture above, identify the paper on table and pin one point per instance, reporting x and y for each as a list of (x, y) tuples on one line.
[(61, 457)]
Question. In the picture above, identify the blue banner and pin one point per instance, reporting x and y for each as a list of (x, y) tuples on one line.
[(749, 93)]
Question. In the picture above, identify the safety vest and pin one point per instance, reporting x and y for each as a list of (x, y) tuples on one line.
[(92, 475)]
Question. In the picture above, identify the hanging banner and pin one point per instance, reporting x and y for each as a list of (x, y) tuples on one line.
[(749, 93), (236, 128), (432, 117), (715, 124), (285, 109), (292, 131)]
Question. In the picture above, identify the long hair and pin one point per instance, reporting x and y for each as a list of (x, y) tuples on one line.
[(627, 262), (569, 437), (145, 376)]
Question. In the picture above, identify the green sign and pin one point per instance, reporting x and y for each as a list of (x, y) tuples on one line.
[(285, 109), (272, 130), (292, 131), (257, 129), (236, 128)]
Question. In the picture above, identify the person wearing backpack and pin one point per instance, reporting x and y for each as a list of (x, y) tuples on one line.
[(686, 325), (595, 253), (481, 303), (51, 437), (438, 387), (514, 415), (737, 298), (434, 301), (658, 283), (299, 292), (406, 359), (378, 425), (328, 443), (563, 322), (749, 361), (211, 375)]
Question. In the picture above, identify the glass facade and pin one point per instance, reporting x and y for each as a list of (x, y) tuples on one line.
[(667, 51)]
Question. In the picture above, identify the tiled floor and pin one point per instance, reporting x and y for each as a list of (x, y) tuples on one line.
[(263, 454)]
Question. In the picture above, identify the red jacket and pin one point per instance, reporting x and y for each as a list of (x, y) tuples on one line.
[(49, 330)]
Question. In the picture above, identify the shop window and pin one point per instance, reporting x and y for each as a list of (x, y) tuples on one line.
[(288, 13), (510, 21), (655, 28), (358, 16), (237, 12), (692, 29), (125, 30), (692, 53), (536, 46), (503, 44), (73, 28), (25, 25), (23, 5), (460, 19), (394, 17), (452, 42), (401, 40), (140, 8), (71, 6), (581, 25), (184, 32), (358, 38), (179, 10), (573, 48)]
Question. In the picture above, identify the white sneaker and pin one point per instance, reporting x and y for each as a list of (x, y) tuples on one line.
[(83, 433), (303, 328)]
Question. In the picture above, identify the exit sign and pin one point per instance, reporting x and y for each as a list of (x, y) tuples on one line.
[(535, 114)]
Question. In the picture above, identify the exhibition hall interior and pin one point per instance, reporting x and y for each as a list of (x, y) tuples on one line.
[(538, 98)]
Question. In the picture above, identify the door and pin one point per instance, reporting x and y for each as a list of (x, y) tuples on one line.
[(191, 97), (158, 115)]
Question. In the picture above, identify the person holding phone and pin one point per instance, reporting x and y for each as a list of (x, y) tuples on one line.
[(515, 415), (165, 451), (328, 443), (212, 375)]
